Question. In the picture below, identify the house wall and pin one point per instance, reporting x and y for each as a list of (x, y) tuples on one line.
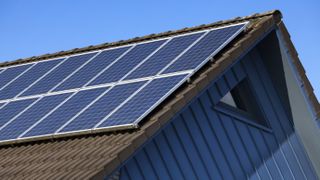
[(306, 123), (204, 143)]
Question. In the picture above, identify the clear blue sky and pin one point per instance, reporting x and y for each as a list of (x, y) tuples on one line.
[(35, 27)]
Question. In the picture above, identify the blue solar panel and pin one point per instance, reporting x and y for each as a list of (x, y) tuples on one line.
[(122, 104), (127, 62), (65, 112), (31, 116), (11, 73), (203, 49), (164, 56), (91, 69), (27, 79), (58, 74), (99, 110), (8, 111), (143, 101)]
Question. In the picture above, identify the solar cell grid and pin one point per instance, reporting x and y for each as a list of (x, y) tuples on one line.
[(58, 74), (127, 62), (26, 79), (164, 56), (197, 55), (99, 110), (143, 101), (65, 112), (11, 73), (31, 116), (90, 70), (13, 108)]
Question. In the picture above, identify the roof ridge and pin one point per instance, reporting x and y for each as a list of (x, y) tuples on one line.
[(140, 39)]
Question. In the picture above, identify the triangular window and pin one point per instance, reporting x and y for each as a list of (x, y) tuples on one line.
[(242, 102)]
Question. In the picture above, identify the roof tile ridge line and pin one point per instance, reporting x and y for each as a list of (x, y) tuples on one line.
[(136, 92), (48, 114), (111, 64), (134, 40), (12, 80), (16, 116), (89, 105), (75, 71), (44, 75)]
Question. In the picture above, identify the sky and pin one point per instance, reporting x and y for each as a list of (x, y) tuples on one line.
[(36, 27)]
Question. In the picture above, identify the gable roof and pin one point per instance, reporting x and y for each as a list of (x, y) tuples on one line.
[(91, 156)]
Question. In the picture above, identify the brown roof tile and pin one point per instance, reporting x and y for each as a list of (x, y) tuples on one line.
[(92, 156)]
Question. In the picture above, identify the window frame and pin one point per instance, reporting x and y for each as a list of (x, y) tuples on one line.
[(241, 115)]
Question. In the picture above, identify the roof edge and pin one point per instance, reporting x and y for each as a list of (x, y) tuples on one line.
[(275, 13)]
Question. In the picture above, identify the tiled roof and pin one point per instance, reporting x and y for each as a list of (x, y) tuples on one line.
[(92, 156)]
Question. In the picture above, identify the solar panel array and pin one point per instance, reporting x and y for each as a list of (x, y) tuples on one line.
[(115, 87)]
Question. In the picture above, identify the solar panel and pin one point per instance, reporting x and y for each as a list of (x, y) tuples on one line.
[(132, 111), (26, 79), (104, 106), (11, 73), (164, 56), (41, 108), (63, 113), (12, 109), (207, 46), (90, 70), (127, 62), (102, 90), (58, 74)]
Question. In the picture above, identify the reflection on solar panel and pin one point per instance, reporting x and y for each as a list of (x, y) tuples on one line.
[(102, 90)]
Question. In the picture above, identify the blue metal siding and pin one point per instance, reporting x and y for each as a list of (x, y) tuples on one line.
[(203, 143)]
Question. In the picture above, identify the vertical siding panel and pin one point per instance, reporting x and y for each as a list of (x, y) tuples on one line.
[(278, 113), (281, 113), (156, 160), (237, 143), (222, 86), (273, 168), (239, 71), (214, 94), (179, 153), (211, 138), (124, 174), (133, 170), (169, 158), (254, 176), (192, 124), (277, 131), (144, 165), (190, 148), (231, 79), (306, 165), (225, 143), (248, 142)]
